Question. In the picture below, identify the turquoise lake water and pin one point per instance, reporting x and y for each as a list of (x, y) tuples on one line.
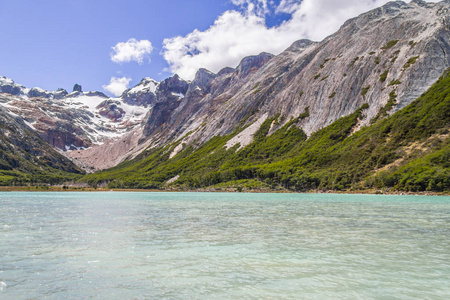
[(223, 246)]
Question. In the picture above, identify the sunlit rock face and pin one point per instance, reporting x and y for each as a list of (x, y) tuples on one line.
[(398, 49)]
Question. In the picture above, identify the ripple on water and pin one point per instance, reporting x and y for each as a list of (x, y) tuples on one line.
[(190, 245)]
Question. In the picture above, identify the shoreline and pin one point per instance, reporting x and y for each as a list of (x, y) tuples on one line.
[(212, 190)]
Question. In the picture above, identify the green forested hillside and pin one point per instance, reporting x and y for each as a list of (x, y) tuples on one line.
[(408, 151), (26, 159)]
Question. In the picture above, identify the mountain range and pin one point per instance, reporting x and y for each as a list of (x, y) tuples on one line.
[(269, 113)]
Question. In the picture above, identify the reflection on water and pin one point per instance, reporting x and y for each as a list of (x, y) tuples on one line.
[(212, 245)]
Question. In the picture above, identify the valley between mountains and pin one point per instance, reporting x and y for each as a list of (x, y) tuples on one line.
[(367, 108)]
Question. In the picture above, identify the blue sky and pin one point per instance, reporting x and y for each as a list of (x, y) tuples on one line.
[(57, 43)]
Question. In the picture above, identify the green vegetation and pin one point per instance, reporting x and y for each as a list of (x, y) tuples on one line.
[(410, 62), (316, 76), (255, 89), (332, 95), (199, 167), (26, 160), (354, 61), (394, 82), (35, 178), (383, 112), (394, 56), (365, 90), (372, 52), (407, 151), (304, 114), (383, 76), (324, 62), (412, 44), (300, 94), (377, 60), (389, 45), (323, 78)]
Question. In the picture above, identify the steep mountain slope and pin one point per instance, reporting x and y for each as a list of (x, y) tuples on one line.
[(409, 151), (76, 121), (149, 95), (389, 55), (25, 158), (93, 130)]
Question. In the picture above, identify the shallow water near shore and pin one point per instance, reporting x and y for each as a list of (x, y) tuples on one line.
[(223, 245)]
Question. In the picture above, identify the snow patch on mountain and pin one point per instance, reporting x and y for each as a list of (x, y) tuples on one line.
[(179, 95), (72, 121), (146, 85)]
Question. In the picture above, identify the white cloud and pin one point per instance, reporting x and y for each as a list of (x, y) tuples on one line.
[(232, 37), (235, 34), (131, 50), (117, 85), (258, 7), (316, 19), (287, 6)]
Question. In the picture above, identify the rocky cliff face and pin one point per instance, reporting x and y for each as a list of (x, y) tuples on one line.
[(144, 93), (386, 58), (76, 121), (23, 150), (205, 95)]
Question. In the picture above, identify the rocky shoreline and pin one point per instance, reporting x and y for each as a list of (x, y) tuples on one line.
[(212, 190)]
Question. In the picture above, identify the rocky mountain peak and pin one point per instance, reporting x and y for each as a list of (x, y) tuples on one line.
[(225, 71), (146, 81), (95, 93), (420, 3), (77, 88), (202, 78), (38, 92), (174, 84), (7, 85), (143, 93), (60, 93), (299, 45), (252, 63)]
